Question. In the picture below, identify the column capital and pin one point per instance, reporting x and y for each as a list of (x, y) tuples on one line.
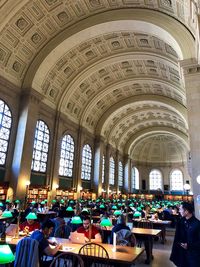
[(32, 95)]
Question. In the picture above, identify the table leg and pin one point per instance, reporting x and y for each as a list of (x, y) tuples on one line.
[(148, 244)]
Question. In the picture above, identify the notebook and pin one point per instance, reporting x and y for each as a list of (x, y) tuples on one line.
[(77, 238)]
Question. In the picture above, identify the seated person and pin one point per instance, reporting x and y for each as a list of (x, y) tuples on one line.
[(85, 229), (42, 236), (29, 225), (121, 224)]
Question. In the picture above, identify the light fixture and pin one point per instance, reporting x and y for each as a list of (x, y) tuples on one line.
[(6, 255), (76, 220), (198, 179), (27, 183), (7, 214), (69, 208), (137, 214), (31, 216), (117, 213), (187, 187), (105, 222)]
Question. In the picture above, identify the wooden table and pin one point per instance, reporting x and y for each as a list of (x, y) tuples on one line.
[(122, 255), (147, 236), (157, 224)]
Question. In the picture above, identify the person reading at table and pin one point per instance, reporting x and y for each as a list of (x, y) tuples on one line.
[(29, 225), (90, 231), (46, 247)]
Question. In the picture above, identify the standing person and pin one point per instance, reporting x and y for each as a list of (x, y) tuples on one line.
[(186, 246)]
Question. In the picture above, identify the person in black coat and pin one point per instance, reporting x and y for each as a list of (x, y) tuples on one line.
[(186, 245)]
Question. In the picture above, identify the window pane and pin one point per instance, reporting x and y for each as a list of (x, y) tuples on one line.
[(67, 156), (135, 178), (40, 148), (155, 180), (86, 163), (5, 127), (176, 180), (112, 172), (120, 174)]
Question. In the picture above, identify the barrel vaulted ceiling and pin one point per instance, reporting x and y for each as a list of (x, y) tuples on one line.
[(112, 66)]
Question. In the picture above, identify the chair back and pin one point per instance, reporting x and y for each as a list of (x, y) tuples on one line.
[(27, 253), (94, 255), (145, 224), (125, 238), (67, 259)]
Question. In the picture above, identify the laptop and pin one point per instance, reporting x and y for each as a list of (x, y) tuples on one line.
[(77, 238)]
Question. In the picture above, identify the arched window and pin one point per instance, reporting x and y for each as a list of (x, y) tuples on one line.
[(112, 172), (86, 163), (41, 147), (103, 170), (120, 174), (5, 127), (67, 156), (176, 180), (155, 180), (135, 178)]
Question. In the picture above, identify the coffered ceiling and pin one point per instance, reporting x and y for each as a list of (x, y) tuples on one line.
[(112, 66)]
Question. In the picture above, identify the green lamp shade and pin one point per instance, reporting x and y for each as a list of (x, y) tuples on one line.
[(1, 204), (62, 201), (131, 205), (42, 202), (6, 214), (106, 222), (71, 201), (33, 202), (76, 220), (114, 207), (7, 200), (85, 210), (102, 206), (153, 210), (119, 204), (31, 216), (53, 201), (17, 201), (6, 255), (69, 208), (117, 212), (137, 214)]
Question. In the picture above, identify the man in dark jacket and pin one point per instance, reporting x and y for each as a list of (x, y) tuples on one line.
[(186, 246)]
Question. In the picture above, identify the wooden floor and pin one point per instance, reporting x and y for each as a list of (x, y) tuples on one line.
[(161, 253)]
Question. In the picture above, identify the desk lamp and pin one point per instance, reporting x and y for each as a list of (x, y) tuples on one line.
[(6, 255)]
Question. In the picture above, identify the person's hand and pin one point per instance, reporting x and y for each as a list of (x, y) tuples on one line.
[(86, 239), (184, 245)]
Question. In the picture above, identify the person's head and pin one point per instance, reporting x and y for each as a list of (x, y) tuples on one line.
[(121, 219), (30, 221), (86, 222), (186, 209), (47, 227)]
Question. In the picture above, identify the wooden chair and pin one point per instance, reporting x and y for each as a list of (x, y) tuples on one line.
[(67, 259), (94, 255), (27, 253)]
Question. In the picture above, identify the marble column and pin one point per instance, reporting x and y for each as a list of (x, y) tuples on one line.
[(116, 187), (22, 158), (98, 160)]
